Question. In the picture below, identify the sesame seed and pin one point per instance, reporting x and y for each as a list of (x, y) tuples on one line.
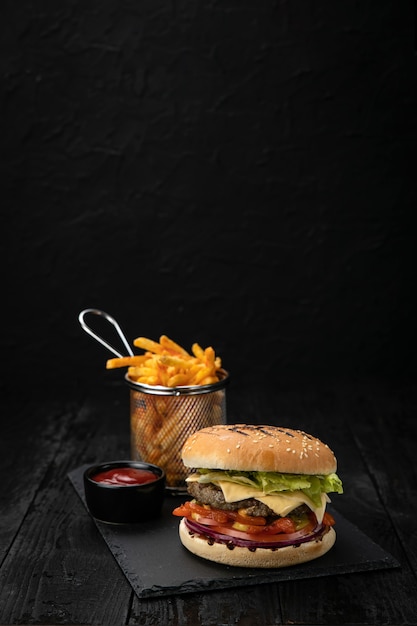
[(228, 449), (238, 445), (288, 449), (271, 445)]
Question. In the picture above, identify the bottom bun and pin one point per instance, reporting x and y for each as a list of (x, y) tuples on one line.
[(261, 557)]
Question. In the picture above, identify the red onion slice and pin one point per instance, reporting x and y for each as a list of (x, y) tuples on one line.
[(209, 533)]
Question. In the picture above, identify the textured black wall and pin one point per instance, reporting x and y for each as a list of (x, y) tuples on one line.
[(238, 173)]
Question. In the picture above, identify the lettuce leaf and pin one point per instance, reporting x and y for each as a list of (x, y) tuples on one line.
[(274, 482)]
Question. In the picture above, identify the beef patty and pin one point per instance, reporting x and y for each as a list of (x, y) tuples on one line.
[(211, 494)]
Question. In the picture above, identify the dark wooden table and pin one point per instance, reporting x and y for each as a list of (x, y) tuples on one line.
[(56, 568)]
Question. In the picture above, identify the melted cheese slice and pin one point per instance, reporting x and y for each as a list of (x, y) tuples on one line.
[(281, 504)]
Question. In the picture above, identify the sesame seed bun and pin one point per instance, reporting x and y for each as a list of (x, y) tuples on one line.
[(265, 448), (261, 557)]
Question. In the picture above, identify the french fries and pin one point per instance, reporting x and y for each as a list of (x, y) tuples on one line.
[(160, 424), (168, 364)]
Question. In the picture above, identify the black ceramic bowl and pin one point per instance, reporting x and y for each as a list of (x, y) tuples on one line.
[(127, 501)]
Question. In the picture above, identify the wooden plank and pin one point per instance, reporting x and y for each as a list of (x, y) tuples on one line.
[(30, 437), (58, 568), (241, 607), (386, 434)]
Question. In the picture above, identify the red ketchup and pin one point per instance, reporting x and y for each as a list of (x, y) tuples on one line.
[(125, 476)]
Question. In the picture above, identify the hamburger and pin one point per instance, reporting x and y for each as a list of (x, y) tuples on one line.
[(258, 496)]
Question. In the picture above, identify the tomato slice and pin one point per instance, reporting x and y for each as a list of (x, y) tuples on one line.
[(328, 520), (284, 525), (192, 509), (181, 511)]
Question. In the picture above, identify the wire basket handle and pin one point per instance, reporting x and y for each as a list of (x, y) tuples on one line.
[(110, 319)]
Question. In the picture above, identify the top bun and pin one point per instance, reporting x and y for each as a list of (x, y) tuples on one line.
[(253, 448)]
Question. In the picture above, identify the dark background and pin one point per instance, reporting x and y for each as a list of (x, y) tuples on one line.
[(237, 173)]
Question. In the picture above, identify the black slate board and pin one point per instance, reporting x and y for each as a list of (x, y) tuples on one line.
[(156, 564)]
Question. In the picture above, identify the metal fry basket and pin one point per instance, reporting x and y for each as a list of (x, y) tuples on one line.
[(161, 419)]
